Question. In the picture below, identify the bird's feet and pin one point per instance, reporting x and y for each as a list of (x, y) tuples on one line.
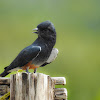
[(35, 70), (27, 70)]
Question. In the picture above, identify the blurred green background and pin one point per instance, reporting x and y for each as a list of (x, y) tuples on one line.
[(77, 23)]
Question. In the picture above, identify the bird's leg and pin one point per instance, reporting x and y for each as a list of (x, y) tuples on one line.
[(27, 70), (35, 70)]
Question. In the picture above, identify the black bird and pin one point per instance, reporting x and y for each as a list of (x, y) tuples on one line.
[(39, 53)]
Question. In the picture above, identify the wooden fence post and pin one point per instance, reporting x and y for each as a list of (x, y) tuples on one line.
[(4, 86), (30, 86)]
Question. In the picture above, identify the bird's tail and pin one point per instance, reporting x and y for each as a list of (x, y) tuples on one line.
[(3, 74)]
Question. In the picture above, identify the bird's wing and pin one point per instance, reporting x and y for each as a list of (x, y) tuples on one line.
[(52, 56), (25, 56)]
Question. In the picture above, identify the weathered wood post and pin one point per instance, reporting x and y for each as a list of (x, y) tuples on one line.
[(4, 86), (30, 86)]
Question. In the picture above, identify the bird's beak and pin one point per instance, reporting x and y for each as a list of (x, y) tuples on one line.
[(36, 30)]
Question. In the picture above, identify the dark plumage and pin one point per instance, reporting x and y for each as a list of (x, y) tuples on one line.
[(38, 52)]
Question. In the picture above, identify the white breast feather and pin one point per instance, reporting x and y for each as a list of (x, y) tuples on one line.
[(53, 55)]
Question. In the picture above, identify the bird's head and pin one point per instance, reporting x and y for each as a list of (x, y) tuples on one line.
[(45, 30)]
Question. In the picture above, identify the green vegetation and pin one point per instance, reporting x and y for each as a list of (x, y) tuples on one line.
[(77, 24)]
